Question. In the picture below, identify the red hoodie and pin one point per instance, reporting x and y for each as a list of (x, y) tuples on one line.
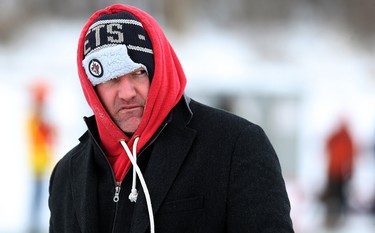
[(167, 87)]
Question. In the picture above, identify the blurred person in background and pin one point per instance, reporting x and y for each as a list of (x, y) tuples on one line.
[(153, 159), (340, 150), (41, 136)]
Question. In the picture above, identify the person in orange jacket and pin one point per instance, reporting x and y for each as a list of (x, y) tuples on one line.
[(340, 150), (40, 134)]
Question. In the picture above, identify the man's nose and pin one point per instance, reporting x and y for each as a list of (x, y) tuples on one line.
[(126, 89)]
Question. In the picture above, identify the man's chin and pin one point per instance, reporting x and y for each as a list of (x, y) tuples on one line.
[(130, 126)]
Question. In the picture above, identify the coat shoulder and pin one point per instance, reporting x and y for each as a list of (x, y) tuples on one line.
[(62, 167), (77, 149)]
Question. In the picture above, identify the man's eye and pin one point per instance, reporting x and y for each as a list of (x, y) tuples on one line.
[(140, 72)]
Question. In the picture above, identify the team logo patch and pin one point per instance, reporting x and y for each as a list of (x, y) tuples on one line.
[(96, 68)]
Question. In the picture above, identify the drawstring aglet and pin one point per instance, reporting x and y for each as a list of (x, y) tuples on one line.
[(133, 195)]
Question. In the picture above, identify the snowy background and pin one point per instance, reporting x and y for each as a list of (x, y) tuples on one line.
[(296, 81)]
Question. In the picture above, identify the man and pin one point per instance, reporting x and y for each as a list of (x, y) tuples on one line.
[(186, 167)]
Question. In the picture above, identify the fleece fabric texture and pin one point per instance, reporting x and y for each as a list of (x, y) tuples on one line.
[(116, 62), (167, 88)]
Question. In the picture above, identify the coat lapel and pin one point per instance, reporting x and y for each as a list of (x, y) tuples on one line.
[(168, 155)]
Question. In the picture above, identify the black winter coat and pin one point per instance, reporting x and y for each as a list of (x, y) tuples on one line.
[(207, 171)]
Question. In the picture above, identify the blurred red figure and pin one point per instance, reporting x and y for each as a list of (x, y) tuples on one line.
[(41, 136), (340, 150)]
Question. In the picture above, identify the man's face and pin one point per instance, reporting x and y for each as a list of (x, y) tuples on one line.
[(124, 98)]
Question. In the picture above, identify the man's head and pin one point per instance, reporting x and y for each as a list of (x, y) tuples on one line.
[(119, 62), (105, 47), (125, 98)]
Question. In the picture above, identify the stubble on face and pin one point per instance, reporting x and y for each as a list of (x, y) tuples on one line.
[(128, 114)]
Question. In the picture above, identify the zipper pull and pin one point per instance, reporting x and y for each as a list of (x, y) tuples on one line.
[(116, 198)]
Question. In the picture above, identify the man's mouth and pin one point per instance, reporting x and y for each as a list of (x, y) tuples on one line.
[(129, 108)]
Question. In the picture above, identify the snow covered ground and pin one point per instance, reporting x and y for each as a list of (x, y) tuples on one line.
[(326, 70)]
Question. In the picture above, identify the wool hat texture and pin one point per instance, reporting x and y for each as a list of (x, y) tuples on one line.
[(115, 45)]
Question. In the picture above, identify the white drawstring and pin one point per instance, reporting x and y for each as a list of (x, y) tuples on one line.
[(134, 192), (137, 171)]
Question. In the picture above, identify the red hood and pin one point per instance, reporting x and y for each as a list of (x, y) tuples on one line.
[(167, 87)]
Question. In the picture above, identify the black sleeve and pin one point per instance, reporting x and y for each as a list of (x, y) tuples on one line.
[(258, 201)]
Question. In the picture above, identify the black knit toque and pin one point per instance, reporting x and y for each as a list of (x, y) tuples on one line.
[(121, 28)]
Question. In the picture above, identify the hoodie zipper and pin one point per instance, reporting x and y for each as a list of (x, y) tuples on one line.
[(117, 185), (116, 198)]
